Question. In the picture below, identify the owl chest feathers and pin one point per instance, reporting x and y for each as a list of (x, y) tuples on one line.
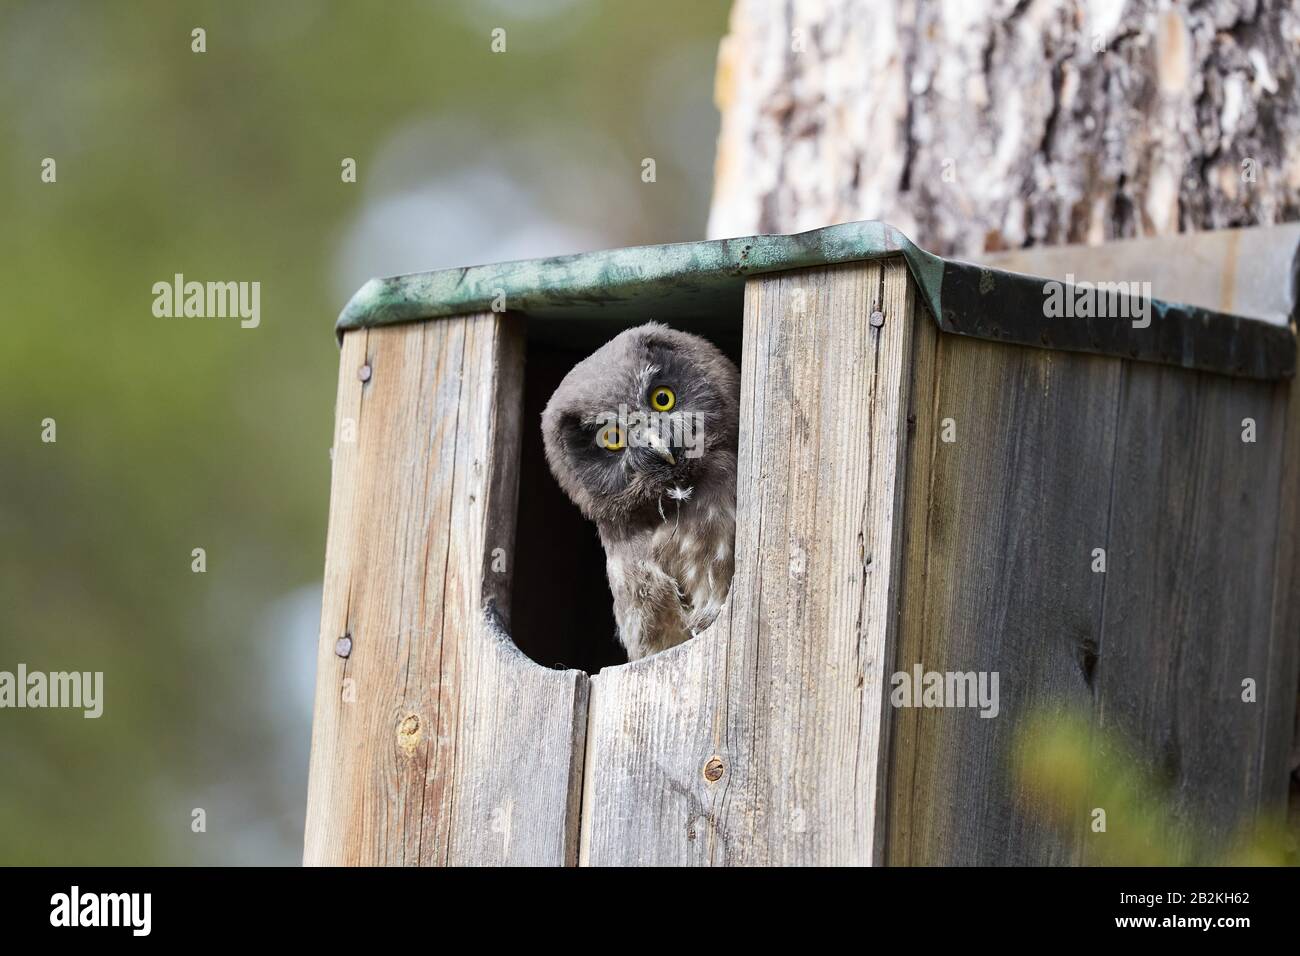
[(670, 577)]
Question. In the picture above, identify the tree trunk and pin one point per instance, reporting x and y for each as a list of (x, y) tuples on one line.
[(980, 125)]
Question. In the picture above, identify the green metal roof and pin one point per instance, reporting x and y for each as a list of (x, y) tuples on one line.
[(697, 282)]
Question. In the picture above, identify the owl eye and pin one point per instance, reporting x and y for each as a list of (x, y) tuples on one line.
[(662, 399), (611, 438)]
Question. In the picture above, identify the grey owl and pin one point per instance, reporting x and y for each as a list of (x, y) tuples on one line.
[(641, 435)]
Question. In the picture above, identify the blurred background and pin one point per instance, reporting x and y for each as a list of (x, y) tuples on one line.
[(176, 434)]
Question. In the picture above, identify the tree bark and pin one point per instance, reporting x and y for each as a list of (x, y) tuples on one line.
[(981, 125)]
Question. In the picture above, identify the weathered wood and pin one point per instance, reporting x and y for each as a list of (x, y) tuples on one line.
[(867, 544), (1189, 592), (1281, 745), (976, 125), (997, 579), (1057, 455), (976, 129), (762, 741), (434, 740)]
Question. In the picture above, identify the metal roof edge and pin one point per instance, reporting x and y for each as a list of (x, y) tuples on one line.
[(620, 275), (964, 298)]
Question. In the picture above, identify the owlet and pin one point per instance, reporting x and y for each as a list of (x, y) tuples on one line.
[(642, 437)]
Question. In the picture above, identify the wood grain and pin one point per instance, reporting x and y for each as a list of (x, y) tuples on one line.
[(866, 544), (435, 741), (1189, 593), (761, 741), (1055, 455), (1280, 747), (997, 580)]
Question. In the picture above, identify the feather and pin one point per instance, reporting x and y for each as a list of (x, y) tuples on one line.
[(669, 579)]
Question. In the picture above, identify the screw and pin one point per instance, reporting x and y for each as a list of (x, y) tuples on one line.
[(343, 646), (877, 318), (363, 373), (713, 770)]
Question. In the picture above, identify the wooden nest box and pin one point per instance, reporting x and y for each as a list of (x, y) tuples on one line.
[(940, 471)]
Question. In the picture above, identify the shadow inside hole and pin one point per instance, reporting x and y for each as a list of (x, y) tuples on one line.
[(561, 611)]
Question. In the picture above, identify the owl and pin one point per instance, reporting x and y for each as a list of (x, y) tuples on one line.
[(641, 435)]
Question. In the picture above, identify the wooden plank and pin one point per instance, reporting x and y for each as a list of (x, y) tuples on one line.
[(1189, 596), (1001, 525), (1281, 746), (434, 741), (761, 741), (1056, 455)]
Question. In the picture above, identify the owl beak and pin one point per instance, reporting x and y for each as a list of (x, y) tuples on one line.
[(657, 445)]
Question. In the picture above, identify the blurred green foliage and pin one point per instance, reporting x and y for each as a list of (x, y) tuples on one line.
[(175, 434), (1069, 769)]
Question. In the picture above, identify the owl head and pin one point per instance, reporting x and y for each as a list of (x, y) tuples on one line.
[(650, 415)]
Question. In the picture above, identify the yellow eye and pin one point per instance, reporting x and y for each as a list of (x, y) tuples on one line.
[(662, 399), (611, 438)]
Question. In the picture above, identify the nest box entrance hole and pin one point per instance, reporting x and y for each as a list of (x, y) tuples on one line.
[(561, 612)]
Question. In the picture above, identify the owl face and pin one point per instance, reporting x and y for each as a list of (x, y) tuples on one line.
[(636, 422)]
